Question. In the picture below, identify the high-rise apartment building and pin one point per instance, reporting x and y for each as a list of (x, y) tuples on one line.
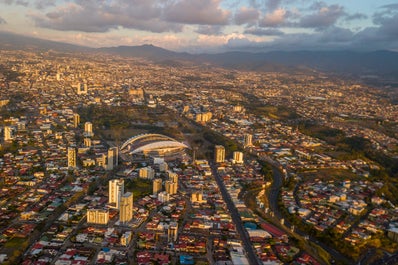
[(71, 157), (126, 208), (219, 154), (171, 187), (113, 158), (157, 186), (116, 190)]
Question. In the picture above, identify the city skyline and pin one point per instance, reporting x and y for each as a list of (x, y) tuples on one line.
[(209, 25)]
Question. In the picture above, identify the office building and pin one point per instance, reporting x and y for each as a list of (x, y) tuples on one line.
[(157, 186), (116, 189), (98, 216), (71, 157), (126, 208), (219, 154)]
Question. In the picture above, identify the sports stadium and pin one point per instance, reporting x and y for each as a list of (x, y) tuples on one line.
[(153, 145)]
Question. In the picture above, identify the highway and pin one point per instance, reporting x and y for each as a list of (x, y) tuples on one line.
[(247, 245)]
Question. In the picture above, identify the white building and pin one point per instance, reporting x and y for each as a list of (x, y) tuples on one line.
[(116, 189)]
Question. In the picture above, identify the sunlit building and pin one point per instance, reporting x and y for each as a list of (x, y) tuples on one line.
[(76, 120), (88, 129), (219, 154), (157, 186), (126, 208), (81, 88), (98, 216), (171, 187), (8, 134), (116, 189), (172, 232), (71, 157), (237, 157), (247, 140), (87, 142)]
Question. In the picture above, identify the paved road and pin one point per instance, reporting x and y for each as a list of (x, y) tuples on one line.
[(248, 247)]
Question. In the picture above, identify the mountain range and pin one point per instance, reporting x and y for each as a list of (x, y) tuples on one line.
[(382, 64)]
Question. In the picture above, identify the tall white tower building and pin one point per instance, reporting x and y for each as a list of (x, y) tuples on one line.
[(116, 190)]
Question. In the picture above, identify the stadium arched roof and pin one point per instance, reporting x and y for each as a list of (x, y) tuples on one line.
[(152, 144)]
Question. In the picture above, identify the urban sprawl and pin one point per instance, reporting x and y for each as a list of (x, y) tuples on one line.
[(267, 168)]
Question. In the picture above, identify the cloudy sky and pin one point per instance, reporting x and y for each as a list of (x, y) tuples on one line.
[(209, 25)]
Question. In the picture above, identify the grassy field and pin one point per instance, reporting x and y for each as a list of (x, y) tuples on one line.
[(139, 187)]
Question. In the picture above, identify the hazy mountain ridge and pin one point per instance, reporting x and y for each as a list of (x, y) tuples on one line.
[(10, 41), (383, 63)]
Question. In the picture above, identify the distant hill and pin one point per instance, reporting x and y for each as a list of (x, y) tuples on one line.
[(147, 51), (9, 41), (381, 63)]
